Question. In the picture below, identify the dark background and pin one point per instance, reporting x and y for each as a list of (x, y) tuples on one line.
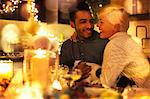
[(40, 5)]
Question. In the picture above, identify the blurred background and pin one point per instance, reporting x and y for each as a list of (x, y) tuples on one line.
[(53, 15)]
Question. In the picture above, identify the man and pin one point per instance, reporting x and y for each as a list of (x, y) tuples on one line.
[(122, 56), (87, 46)]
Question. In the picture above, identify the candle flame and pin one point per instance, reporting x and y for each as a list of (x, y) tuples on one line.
[(40, 52)]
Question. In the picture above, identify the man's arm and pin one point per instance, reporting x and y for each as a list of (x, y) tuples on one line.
[(66, 54)]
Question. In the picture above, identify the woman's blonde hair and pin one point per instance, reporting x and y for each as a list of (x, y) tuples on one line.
[(116, 15)]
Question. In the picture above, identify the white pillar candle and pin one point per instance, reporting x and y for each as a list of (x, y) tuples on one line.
[(39, 68), (6, 69)]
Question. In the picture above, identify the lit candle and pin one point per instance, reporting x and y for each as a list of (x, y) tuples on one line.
[(6, 69), (39, 67)]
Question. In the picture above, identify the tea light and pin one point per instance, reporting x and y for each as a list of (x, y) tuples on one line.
[(39, 67), (6, 69)]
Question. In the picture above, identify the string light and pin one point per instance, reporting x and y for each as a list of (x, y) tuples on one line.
[(32, 9), (9, 6)]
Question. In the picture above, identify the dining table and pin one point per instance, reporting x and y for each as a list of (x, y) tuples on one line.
[(77, 91)]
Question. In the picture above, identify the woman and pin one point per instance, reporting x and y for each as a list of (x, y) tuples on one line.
[(122, 56)]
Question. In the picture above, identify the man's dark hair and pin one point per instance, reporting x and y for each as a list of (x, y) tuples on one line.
[(81, 6)]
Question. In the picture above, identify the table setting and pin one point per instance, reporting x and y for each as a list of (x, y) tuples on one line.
[(58, 82)]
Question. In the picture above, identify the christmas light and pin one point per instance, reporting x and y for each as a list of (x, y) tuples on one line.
[(32, 9), (9, 6)]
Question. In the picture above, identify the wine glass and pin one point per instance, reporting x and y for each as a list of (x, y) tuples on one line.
[(75, 75), (65, 69)]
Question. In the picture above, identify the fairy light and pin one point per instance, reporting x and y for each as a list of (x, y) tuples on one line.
[(32, 9), (10, 6)]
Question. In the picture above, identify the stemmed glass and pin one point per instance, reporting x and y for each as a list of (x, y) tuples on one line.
[(73, 76)]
